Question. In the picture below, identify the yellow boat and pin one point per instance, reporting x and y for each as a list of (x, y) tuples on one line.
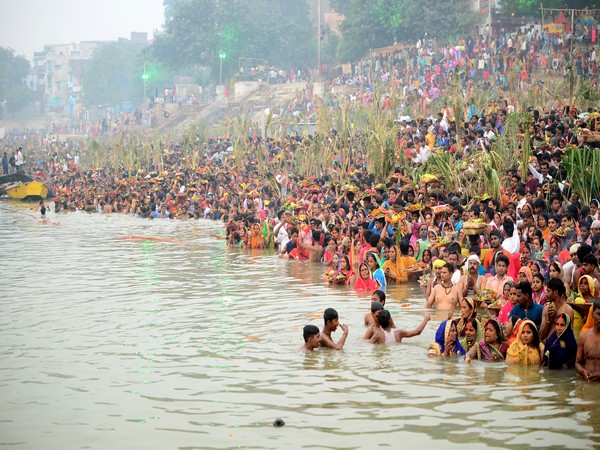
[(34, 190)]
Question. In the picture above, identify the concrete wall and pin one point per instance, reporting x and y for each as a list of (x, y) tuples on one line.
[(244, 88)]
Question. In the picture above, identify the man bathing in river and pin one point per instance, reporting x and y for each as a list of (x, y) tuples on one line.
[(587, 362), (330, 317), (312, 338), (444, 295)]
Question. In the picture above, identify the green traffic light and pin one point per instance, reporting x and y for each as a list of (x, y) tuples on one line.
[(222, 55), (145, 76)]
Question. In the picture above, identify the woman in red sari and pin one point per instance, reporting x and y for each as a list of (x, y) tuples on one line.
[(364, 282)]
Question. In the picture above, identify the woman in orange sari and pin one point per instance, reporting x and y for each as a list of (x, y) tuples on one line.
[(256, 238)]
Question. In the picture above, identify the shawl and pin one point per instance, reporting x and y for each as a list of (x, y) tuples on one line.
[(561, 349), (364, 284), (437, 348), (520, 353)]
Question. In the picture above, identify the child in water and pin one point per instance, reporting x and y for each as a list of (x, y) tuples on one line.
[(43, 209)]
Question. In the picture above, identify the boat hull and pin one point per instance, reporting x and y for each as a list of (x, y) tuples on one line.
[(34, 190)]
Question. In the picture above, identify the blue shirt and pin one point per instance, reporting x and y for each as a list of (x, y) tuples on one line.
[(379, 277), (534, 313)]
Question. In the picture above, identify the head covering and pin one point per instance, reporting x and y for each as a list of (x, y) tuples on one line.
[(438, 263), (528, 273), (596, 224), (574, 248), (437, 348), (478, 333), (496, 350), (524, 354), (591, 284), (561, 349), (364, 284), (472, 258)]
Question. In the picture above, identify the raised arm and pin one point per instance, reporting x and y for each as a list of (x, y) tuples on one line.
[(400, 334), (326, 341)]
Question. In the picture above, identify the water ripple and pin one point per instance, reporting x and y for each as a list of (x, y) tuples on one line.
[(191, 345)]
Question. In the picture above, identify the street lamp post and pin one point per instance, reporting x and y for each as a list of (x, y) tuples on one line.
[(319, 38), (145, 78), (4, 114), (222, 56)]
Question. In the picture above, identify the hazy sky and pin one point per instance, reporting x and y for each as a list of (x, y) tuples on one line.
[(26, 25)]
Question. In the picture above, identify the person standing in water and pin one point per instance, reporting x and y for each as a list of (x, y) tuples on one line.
[(43, 209), (385, 334), (312, 338), (330, 317), (587, 362)]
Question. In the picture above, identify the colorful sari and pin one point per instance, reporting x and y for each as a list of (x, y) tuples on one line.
[(397, 267), (488, 352), (461, 323), (578, 325), (437, 348), (496, 351), (364, 284), (478, 336), (561, 349), (522, 354)]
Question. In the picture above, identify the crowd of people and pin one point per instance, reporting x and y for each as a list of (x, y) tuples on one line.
[(527, 259)]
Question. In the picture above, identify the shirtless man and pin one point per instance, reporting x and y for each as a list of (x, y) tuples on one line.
[(315, 250), (384, 334), (436, 279), (556, 305), (587, 362), (471, 283), (312, 338), (330, 317), (444, 295)]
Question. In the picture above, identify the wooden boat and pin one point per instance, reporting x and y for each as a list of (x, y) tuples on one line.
[(12, 179), (34, 190)]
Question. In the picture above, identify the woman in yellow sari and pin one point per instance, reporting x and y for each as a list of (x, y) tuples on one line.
[(526, 350), (586, 291), (395, 265)]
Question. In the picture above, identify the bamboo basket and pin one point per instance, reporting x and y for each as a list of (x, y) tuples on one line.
[(473, 228)]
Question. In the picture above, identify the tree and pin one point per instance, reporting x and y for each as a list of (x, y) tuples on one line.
[(13, 71), (378, 23), (362, 29), (532, 7), (198, 31), (108, 78)]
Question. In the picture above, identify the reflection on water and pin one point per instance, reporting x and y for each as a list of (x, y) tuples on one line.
[(190, 345)]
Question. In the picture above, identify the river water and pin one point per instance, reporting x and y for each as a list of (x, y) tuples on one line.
[(108, 342)]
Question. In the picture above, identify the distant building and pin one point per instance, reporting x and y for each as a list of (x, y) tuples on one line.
[(56, 75)]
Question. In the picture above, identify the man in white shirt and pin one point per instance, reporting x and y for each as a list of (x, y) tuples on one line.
[(280, 232), (19, 160), (423, 154), (489, 135)]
